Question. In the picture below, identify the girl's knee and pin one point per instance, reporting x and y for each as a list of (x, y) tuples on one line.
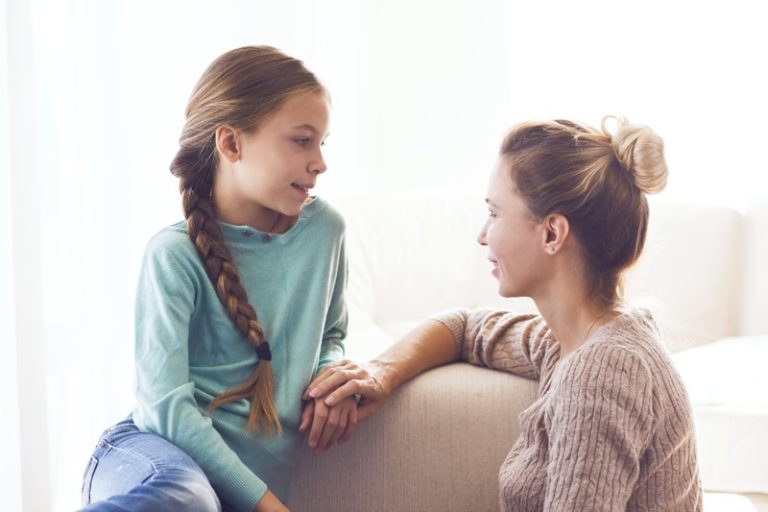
[(185, 490)]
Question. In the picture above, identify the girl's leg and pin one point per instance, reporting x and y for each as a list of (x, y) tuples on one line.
[(137, 471)]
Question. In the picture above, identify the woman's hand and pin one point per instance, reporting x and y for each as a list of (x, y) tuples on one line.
[(328, 424), (270, 503), (430, 344), (344, 379)]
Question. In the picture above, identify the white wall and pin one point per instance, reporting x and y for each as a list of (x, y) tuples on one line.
[(10, 469)]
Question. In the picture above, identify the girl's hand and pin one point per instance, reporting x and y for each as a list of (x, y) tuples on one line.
[(328, 424), (344, 379), (270, 503)]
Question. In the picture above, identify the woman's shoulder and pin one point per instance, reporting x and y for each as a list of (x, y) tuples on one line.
[(631, 338), (627, 358)]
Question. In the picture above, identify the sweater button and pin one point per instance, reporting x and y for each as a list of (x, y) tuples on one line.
[(266, 237)]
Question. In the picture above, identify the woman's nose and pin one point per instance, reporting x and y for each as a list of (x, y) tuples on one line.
[(481, 235)]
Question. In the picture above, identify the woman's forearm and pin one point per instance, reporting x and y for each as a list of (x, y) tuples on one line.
[(429, 345)]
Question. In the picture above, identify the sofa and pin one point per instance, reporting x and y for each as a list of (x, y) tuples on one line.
[(439, 441)]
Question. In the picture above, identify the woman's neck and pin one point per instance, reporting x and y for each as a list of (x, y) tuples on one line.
[(573, 315)]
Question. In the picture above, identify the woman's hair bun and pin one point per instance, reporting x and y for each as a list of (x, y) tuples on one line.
[(640, 151)]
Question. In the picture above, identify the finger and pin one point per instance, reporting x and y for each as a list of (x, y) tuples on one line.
[(340, 429), (350, 388), (332, 381), (318, 378), (363, 411), (327, 372), (319, 418), (306, 415), (351, 427), (333, 424)]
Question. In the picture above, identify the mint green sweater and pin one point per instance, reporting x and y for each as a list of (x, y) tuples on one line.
[(188, 350)]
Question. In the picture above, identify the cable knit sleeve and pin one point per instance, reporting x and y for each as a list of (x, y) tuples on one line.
[(517, 343), (600, 424)]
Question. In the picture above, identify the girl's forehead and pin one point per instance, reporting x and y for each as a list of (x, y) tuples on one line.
[(308, 111)]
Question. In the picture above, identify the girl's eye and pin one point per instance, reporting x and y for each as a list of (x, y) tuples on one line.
[(301, 141)]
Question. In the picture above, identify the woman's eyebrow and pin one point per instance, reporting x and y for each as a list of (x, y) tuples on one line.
[(306, 126)]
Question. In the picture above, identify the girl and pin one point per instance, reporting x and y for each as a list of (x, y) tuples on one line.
[(219, 386), (612, 428)]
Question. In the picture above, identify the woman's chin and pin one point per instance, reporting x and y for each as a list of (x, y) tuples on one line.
[(509, 292)]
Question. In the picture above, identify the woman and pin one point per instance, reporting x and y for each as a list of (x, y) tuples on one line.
[(612, 427)]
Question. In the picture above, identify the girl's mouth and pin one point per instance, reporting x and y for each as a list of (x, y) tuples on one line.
[(304, 189)]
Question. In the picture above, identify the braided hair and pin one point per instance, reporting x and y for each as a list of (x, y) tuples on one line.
[(240, 88)]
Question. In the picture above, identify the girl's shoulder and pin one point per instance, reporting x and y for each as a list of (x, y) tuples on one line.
[(172, 242), (321, 211), (173, 238)]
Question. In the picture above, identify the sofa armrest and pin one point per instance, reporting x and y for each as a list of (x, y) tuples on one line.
[(436, 445)]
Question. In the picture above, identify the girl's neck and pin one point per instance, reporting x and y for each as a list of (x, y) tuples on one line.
[(263, 219), (249, 213)]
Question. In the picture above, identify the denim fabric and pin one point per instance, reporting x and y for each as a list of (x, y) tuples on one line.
[(137, 471)]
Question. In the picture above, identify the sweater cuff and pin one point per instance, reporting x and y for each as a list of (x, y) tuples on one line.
[(456, 322), (242, 491), (331, 355)]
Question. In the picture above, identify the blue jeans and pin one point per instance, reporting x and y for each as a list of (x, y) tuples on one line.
[(137, 471)]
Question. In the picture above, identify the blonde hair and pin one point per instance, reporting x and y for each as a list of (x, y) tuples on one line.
[(598, 180), (240, 88)]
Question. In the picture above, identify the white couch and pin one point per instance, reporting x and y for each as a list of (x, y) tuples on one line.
[(440, 440)]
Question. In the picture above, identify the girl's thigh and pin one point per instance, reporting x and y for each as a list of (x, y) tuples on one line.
[(134, 470)]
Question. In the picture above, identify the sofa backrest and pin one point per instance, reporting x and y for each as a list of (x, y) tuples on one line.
[(413, 256), (754, 300)]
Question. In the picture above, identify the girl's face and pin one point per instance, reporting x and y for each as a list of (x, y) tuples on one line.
[(281, 160), (515, 240)]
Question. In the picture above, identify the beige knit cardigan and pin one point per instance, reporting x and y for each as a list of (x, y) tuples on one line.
[(611, 429)]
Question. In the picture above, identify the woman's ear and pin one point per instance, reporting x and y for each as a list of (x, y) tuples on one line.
[(556, 231), (228, 143)]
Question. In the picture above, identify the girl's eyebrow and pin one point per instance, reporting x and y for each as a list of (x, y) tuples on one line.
[(307, 126)]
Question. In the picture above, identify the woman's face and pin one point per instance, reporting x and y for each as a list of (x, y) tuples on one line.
[(281, 160), (515, 240)]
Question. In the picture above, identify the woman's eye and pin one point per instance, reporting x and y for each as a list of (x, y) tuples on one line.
[(301, 141)]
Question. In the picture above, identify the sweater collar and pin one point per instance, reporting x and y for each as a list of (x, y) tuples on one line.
[(234, 233)]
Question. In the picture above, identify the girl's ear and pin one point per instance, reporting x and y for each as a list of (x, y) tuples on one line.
[(227, 143), (556, 231)]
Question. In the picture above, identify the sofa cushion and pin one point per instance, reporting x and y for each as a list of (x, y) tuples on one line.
[(727, 383), (436, 445)]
